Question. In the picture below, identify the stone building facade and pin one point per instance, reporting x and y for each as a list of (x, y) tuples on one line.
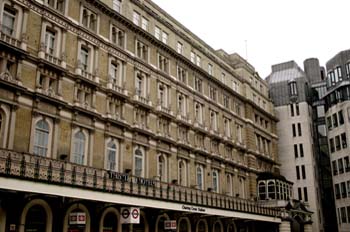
[(111, 104)]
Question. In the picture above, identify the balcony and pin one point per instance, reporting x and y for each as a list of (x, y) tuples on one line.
[(50, 59), (56, 172), (142, 100), (117, 89), (83, 73), (12, 41), (164, 110)]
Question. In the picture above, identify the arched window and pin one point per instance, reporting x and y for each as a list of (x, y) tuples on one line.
[(138, 162), (201, 226), (182, 173), (110, 222), (183, 225), (217, 227), (199, 173), (41, 138), (36, 219), (162, 167), (229, 184), (112, 155), (79, 148), (215, 175), (262, 191)]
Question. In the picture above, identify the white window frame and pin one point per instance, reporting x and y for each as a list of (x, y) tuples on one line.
[(162, 169), (179, 47), (182, 173), (200, 177), (215, 180), (117, 5), (157, 33), (139, 173), (210, 69), (116, 154), (41, 138), (136, 17), (144, 23), (229, 186), (165, 37), (86, 146)]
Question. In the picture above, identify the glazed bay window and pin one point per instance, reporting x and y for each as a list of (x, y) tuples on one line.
[(89, 19), (181, 74), (141, 50), (163, 63), (8, 20), (117, 36), (117, 5)]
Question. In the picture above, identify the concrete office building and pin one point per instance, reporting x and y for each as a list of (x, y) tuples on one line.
[(338, 125), (106, 104), (289, 90)]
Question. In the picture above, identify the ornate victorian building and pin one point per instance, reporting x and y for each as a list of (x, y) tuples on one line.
[(112, 104)]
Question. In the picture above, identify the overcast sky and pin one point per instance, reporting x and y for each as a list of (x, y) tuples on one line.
[(275, 30)]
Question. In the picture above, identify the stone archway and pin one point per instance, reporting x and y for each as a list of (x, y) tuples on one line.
[(184, 225), (218, 227), (109, 221), (202, 226), (160, 222), (77, 207), (33, 216)]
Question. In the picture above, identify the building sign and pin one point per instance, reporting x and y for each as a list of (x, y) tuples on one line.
[(129, 215), (126, 178), (194, 209), (77, 218), (170, 225)]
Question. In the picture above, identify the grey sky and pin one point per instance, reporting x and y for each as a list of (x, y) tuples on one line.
[(275, 30)]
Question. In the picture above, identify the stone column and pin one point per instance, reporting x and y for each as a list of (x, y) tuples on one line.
[(284, 226), (308, 227)]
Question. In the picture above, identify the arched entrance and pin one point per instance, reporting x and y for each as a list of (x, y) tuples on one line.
[(77, 219), (36, 216), (231, 228), (35, 219), (184, 225), (202, 226), (160, 222), (217, 227), (109, 221), (142, 226)]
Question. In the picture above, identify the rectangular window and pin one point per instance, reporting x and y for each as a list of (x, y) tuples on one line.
[(303, 172), (116, 5), (340, 166), (343, 140), (301, 148), (335, 120), (84, 58), (300, 198), (212, 93), (347, 164), (296, 151), (136, 18), (306, 198), (117, 36), (343, 214), (331, 144), (198, 84), (292, 110), (181, 74), (341, 117), (144, 24), (348, 211), (141, 50), (163, 63), (198, 61), (343, 189), (329, 123), (179, 48), (334, 166), (193, 57), (299, 129), (337, 191), (347, 69), (210, 69), (8, 20), (226, 101), (298, 172), (337, 142), (49, 41), (294, 130), (157, 32), (164, 37), (297, 109)]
